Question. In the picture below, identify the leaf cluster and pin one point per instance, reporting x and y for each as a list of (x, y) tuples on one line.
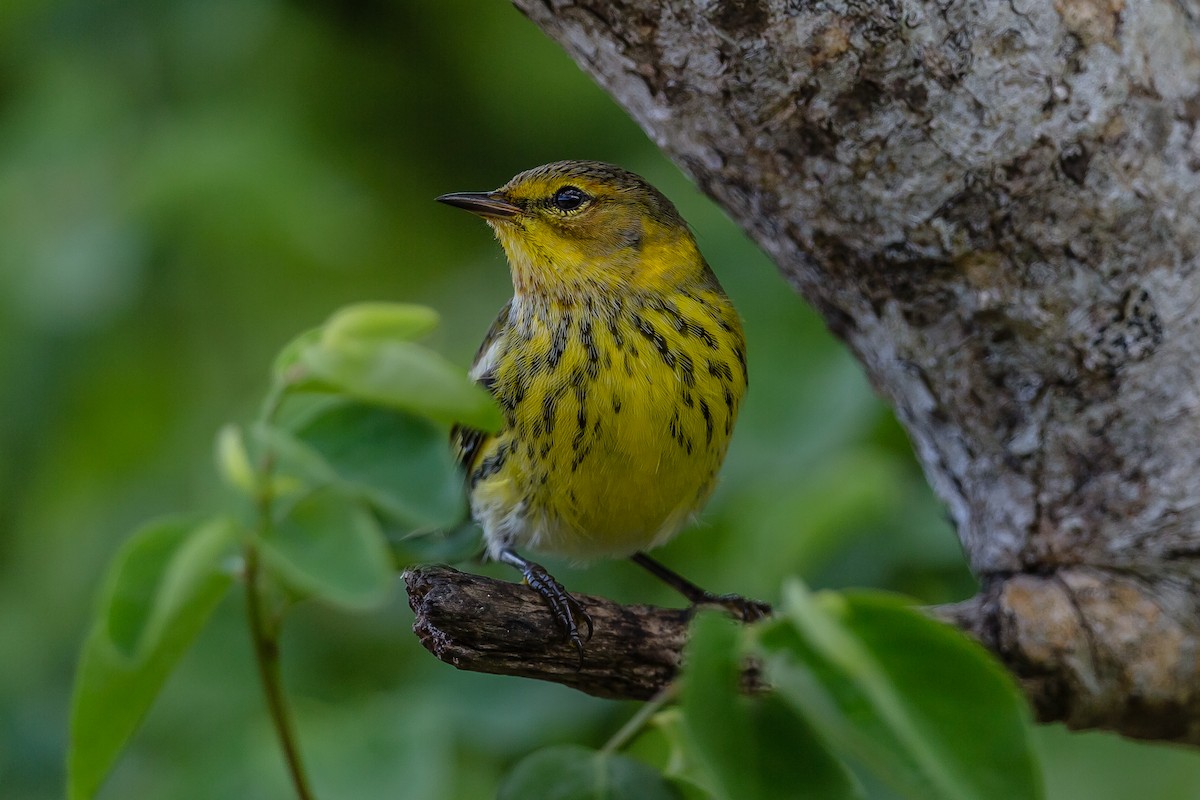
[(870, 696), (347, 466)]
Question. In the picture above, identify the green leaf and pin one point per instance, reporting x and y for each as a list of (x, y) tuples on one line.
[(793, 760), (289, 356), (159, 591), (715, 720), (292, 457), (401, 464), (378, 322), (329, 546), (404, 376), (661, 744), (362, 322), (570, 772), (750, 747), (233, 462), (915, 700)]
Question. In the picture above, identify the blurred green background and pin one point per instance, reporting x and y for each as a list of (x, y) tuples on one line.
[(185, 185)]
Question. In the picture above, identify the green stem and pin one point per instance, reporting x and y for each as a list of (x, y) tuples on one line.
[(639, 720), (265, 633), (266, 653)]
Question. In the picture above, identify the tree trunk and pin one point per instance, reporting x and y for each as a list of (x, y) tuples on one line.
[(996, 206)]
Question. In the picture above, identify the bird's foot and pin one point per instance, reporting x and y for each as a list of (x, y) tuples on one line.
[(568, 612), (741, 608)]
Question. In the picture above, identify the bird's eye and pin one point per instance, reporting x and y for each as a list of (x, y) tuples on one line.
[(569, 198)]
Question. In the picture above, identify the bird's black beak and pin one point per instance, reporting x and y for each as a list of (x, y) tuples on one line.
[(485, 204)]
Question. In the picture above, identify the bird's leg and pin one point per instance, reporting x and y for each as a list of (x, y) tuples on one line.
[(743, 608), (566, 609)]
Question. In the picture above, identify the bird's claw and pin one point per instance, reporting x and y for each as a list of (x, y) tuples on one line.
[(567, 611), (741, 608)]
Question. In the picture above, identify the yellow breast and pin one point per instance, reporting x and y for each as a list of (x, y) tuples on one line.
[(618, 415)]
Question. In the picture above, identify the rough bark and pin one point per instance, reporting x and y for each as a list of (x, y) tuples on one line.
[(485, 625), (995, 206)]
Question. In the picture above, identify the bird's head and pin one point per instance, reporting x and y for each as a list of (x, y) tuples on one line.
[(574, 226)]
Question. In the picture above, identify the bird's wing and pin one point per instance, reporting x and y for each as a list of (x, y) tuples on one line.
[(468, 442)]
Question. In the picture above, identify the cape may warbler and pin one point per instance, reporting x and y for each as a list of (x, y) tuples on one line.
[(619, 364)]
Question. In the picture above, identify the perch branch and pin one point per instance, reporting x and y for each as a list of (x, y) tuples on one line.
[(486, 625)]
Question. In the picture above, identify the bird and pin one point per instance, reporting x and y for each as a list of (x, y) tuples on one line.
[(619, 365)]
